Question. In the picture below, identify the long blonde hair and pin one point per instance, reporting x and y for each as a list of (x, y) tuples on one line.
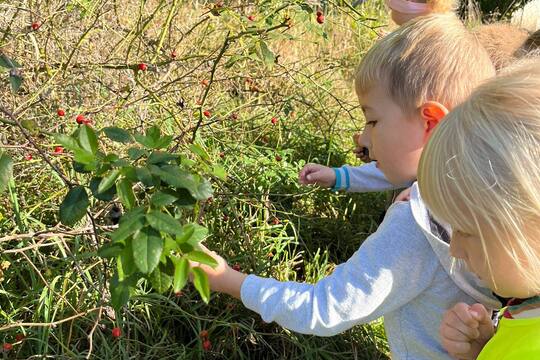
[(481, 168)]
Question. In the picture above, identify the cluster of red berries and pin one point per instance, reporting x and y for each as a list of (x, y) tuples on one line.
[(320, 17), (80, 119), (207, 345), (9, 346)]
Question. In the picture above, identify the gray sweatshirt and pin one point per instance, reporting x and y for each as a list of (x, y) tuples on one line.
[(401, 272)]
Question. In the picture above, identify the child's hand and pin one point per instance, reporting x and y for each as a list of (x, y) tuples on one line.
[(315, 174), (405, 195), (222, 278), (465, 330)]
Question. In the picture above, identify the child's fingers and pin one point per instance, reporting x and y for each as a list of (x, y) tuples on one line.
[(483, 316), (456, 349), (304, 175), (462, 312), (464, 334)]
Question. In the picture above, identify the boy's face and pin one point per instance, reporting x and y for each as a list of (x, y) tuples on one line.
[(394, 139)]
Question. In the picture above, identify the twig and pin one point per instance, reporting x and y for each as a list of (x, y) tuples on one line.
[(49, 324)]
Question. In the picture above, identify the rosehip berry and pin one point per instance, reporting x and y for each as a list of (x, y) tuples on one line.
[(222, 154), (278, 158), (36, 25), (207, 113), (19, 337), (319, 13), (204, 82), (61, 112), (203, 334), (116, 332), (80, 119), (174, 54), (251, 18), (207, 345), (275, 221), (274, 120), (236, 267), (28, 157), (234, 116), (58, 150), (178, 294), (142, 66), (7, 346), (320, 19)]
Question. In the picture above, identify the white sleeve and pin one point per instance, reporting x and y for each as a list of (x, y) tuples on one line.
[(392, 267), (365, 178)]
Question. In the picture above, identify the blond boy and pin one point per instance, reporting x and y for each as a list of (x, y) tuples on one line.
[(406, 83)]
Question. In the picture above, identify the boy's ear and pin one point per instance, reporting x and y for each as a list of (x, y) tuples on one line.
[(432, 112)]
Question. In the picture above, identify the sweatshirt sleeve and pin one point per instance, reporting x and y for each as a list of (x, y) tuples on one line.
[(363, 178), (392, 267)]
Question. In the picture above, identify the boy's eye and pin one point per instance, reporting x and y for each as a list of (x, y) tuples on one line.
[(372, 123)]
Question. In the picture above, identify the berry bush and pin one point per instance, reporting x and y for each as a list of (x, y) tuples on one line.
[(132, 130)]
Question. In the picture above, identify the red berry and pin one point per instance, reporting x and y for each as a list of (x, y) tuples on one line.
[(275, 221), (36, 25), (174, 54), (251, 18), (203, 334), (28, 157), (222, 154), (7, 346), (19, 337), (61, 112), (142, 66), (204, 82), (58, 150), (116, 332), (80, 119), (178, 294), (236, 267), (234, 116), (274, 120), (320, 19), (319, 13), (278, 158), (207, 345), (207, 113)]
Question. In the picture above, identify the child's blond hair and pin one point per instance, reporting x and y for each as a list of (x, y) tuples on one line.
[(501, 41), (481, 168), (530, 46), (431, 57), (441, 6)]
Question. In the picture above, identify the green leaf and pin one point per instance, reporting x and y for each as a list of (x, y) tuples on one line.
[(184, 198), (147, 248), (219, 172), (144, 176), (160, 280), (108, 181), (105, 196), (203, 191), (200, 280), (125, 193), (153, 133), (202, 257), (16, 81), (110, 250), (198, 150), (267, 55), (175, 176), (67, 141), (135, 153), (119, 292), (181, 273), (162, 198), (118, 135), (74, 206), (130, 223), (164, 222), (84, 157), (126, 261), (144, 140), (88, 139), (6, 170), (8, 63), (193, 234), (157, 157)]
